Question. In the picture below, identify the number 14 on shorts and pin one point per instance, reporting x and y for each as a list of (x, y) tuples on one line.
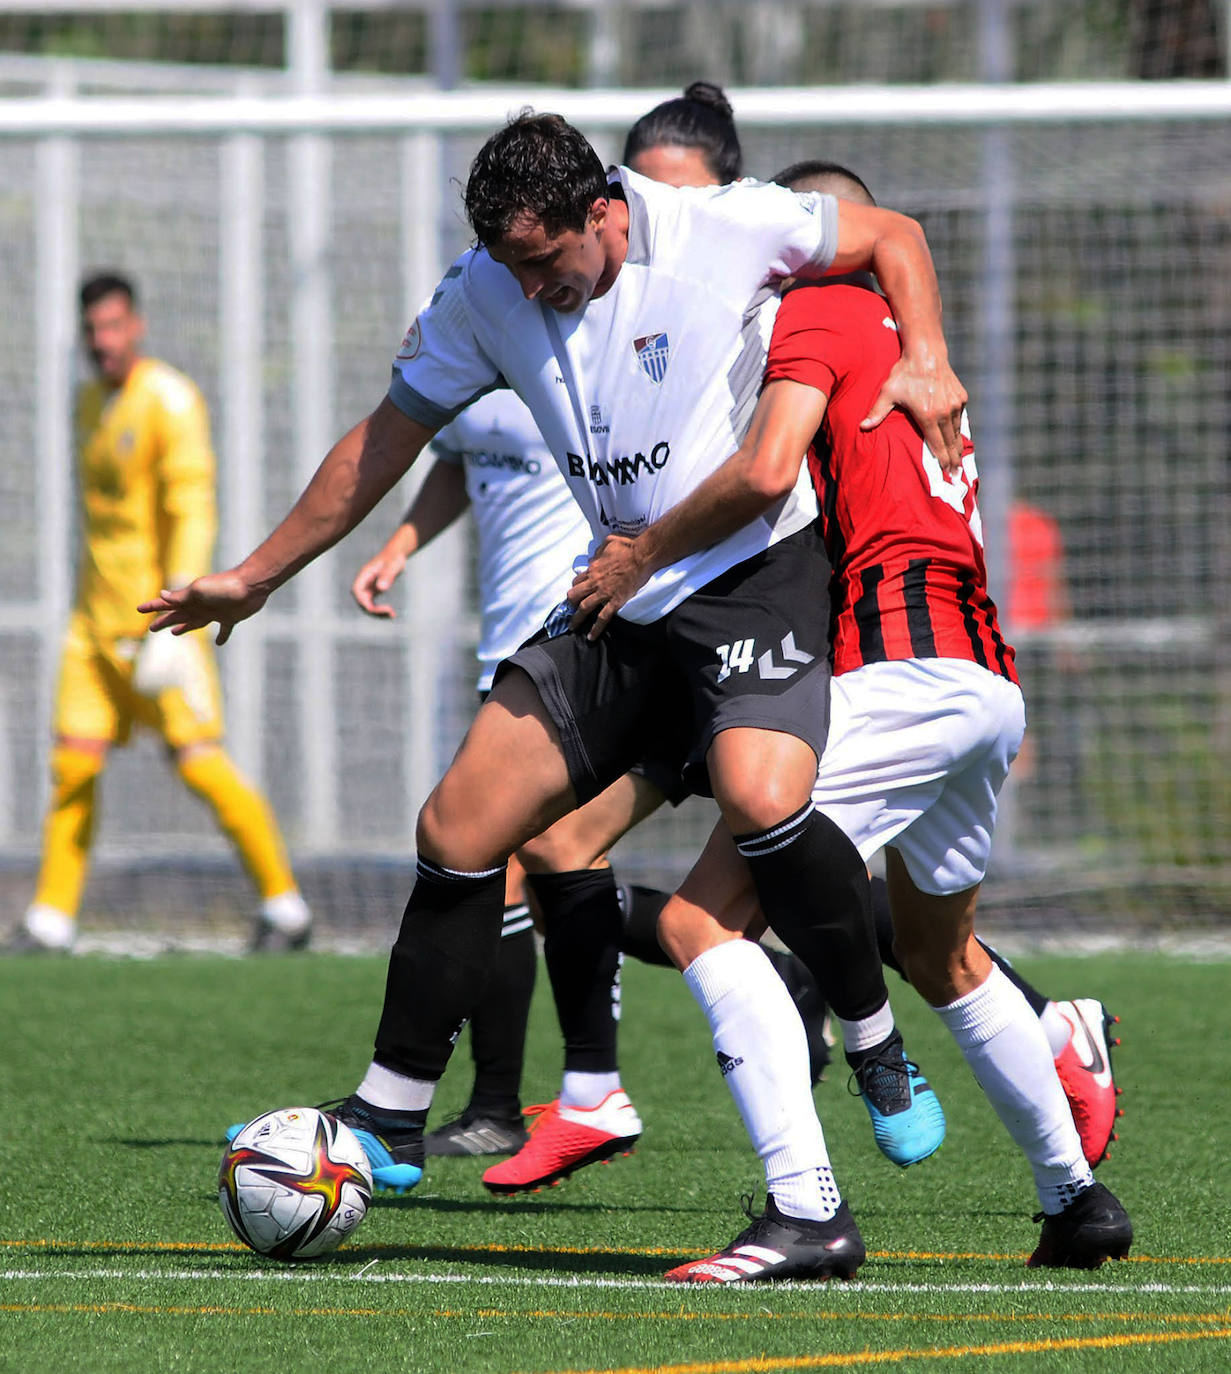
[(741, 655)]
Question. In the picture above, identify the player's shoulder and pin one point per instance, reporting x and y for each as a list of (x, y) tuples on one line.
[(474, 289), (172, 391)]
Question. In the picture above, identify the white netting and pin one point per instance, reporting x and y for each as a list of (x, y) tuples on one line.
[(1086, 268)]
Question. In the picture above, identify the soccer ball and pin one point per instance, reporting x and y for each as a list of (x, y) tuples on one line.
[(294, 1183)]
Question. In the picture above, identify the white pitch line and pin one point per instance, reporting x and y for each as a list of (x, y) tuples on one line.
[(496, 1281)]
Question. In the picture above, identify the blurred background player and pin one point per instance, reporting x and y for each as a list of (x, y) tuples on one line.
[(146, 474)]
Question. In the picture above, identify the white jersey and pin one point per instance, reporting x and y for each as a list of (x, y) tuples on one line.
[(528, 524), (646, 391)]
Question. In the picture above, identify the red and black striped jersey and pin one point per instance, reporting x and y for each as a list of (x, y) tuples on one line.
[(903, 535)]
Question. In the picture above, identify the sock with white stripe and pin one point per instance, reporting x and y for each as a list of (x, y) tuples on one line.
[(582, 931), (438, 967), (1008, 1052), (813, 888), (763, 1056), (498, 1023)]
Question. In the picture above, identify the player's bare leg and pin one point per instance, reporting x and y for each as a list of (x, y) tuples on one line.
[(1002, 1041), (507, 783)]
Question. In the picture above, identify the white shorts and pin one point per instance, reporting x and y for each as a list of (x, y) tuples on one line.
[(918, 749)]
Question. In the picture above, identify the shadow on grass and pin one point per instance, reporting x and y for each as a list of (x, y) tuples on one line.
[(613, 1263), (523, 1206), (164, 1142)]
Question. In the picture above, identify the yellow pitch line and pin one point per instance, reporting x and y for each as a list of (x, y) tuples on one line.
[(234, 1247), (575, 1314), (765, 1364)]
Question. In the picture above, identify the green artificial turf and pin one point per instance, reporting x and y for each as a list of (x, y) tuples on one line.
[(118, 1077)]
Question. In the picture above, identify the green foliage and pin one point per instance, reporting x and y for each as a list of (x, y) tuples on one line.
[(118, 1078)]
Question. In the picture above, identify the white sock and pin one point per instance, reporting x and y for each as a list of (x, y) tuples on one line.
[(871, 1030), (1006, 1048), (587, 1089), (381, 1087), (51, 928), (1055, 1027), (763, 1054), (287, 912)]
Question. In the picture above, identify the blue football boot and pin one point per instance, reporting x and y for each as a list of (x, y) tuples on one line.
[(907, 1119), (393, 1145)]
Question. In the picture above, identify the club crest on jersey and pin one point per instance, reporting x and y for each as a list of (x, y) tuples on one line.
[(653, 352), (411, 344)]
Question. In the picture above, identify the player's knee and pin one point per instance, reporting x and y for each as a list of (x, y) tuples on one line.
[(680, 935), (73, 770), (452, 836), (757, 800), (553, 852), (760, 777)]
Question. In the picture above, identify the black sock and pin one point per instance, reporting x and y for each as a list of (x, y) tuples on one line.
[(882, 919), (813, 889), (884, 939), (438, 967), (855, 1058), (582, 931), (498, 1023), (639, 906)]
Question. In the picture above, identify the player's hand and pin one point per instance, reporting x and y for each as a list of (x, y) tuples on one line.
[(615, 574), (931, 394), (223, 597), (374, 579)]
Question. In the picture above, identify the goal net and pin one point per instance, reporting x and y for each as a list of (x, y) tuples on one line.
[(1084, 253)]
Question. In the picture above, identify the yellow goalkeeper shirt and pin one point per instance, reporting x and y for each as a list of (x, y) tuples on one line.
[(147, 476)]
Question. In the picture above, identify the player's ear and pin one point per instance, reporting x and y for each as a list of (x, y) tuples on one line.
[(597, 216)]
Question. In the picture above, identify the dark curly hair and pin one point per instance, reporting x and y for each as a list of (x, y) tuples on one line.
[(701, 118), (538, 165)]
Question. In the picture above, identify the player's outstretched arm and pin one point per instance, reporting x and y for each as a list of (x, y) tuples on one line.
[(437, 504), (922, 383), (360, 468), (762, 471)]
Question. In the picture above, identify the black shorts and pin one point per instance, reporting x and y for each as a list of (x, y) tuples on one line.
[(748, 649)]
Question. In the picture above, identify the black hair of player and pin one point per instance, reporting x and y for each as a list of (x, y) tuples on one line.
[(701, 118), (100, 284), (814, 168), (538, 165)]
